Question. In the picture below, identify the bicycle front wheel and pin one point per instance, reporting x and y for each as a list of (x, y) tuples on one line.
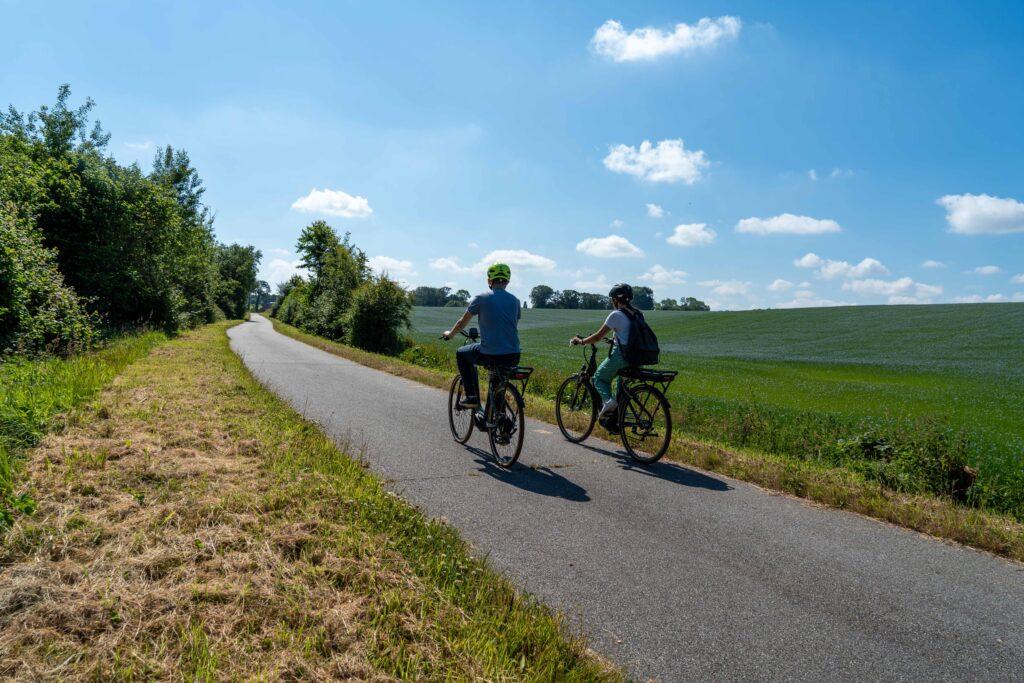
[(507, 425), (459, 419), (576, 406), (645, 423)]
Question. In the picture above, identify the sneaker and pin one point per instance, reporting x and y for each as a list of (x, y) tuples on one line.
[(609, 406), (468, 403)]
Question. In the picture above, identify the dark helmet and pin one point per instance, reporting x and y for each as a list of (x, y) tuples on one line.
[(622, 292)]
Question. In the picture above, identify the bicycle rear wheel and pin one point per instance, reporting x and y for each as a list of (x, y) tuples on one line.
[(507, 425), (645, 423), (459, 419), (576, 406)]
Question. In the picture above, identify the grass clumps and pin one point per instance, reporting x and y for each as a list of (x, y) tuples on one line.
[(191, 525), (35, 392)]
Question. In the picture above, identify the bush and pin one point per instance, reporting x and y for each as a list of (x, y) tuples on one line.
[(38, 312), (292, 309), (378, 314)]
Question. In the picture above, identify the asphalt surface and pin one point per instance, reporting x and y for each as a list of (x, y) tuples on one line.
[(669, 571)]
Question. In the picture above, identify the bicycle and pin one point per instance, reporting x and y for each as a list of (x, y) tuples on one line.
[(643, 419), (502, 416)]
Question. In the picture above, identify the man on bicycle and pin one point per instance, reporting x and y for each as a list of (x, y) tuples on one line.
[(499, 313)]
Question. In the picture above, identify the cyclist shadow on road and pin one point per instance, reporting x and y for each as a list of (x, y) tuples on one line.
[(668, 471), (541, 480)]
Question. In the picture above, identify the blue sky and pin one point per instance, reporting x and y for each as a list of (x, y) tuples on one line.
[(799, 153)]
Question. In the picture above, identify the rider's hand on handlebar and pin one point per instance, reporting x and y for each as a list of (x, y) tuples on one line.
[(576, 340), (446, 335)]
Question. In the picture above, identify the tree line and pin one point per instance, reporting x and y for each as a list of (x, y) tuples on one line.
[(342, 299), (88, 245), (543, 296)]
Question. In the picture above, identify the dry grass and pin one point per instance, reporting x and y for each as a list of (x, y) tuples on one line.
[(191, 526), (941, 518)]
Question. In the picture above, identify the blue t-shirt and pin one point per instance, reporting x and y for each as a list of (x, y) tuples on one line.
[(499, 314)]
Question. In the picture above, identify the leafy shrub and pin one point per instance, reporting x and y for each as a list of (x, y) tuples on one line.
[(379, 313), (38, 312)]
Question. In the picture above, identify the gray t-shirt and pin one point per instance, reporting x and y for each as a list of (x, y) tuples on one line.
[(499, 314)]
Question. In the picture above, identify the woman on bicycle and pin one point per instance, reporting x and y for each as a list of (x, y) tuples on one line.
[(618, 322)]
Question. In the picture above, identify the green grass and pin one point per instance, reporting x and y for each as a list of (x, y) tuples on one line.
[(33, 392), (824, 383)]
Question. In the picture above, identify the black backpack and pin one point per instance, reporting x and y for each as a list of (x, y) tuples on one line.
[(642, 347)]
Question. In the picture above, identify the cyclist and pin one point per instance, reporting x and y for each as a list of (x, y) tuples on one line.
[(621, 296), (499, 313)]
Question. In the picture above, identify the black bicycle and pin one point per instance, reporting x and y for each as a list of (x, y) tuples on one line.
[(643, 420), (502, 415)]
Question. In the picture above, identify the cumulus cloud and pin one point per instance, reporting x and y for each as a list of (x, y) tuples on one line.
[(515, 258), (980, 214), (391, 266), (691, 235), (780, 285), (1018, 279), (333, 203), (840, 173), (978, 299), (660, 276), (987, 270), (787, 224), (812, 174), (280, 269), (827, 269), (726, 287), (930, 263), (667, 162), (649, 43), (655, 211), (612, 246), (904, 290)]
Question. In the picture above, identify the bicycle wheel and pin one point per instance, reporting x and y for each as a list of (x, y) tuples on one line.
[(507, 426), (459, 419), (645, 423), (576, 406)]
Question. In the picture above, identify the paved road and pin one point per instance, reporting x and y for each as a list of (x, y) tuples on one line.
[(672, 572)]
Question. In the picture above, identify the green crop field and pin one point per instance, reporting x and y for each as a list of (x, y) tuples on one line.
[(805, 382)]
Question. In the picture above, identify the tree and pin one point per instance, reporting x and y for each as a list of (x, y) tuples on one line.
[(237, 267), (431, 296), (459, 298), (567, 298), (379, 312), (594, 301), (692, 304), (260, 295), (643, 298), (541, 295), (315, 245), (667, 305)]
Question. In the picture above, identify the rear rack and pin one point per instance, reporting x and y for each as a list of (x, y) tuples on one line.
[(660, 377), (519, 374)]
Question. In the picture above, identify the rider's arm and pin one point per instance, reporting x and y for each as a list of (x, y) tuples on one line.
[(466, 317), (597, 336)]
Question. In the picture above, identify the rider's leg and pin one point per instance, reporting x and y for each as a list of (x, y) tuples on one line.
[(466, 358), (604, 375)]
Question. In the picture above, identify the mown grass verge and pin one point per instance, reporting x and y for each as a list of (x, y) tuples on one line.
[(823, 482), (35, 392), (191, 525)]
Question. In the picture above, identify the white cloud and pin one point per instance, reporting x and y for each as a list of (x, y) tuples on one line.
[(655, 211), (780, 285), (333, 203), (840, 173), (804, 302), (140, 146), (803, 294), (812, 174), (787, 224), (1018, 279), (980, 214), (726, 287), (930, 263), (987, 270), (392, 266), (804, 285), (515, 258), (830, 270), (280, 270), (648, 43), (660, 276), (904, 290), (612, 246), (977, 299), (667, 162), (599, 284), (691, 235)]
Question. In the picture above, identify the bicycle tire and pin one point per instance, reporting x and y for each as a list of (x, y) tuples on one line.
[(460, 420), (576, 384), (510, 424), (637, 421)]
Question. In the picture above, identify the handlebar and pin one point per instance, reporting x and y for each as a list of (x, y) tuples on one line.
[(472, 335), (606, 340)]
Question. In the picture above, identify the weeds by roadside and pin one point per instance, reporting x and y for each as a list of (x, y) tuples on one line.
[(816, 479), (191, 525)]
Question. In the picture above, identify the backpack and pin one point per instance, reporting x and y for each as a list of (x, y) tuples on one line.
[(642, 347)]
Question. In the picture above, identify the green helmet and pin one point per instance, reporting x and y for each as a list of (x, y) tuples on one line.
[(499, 271)]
